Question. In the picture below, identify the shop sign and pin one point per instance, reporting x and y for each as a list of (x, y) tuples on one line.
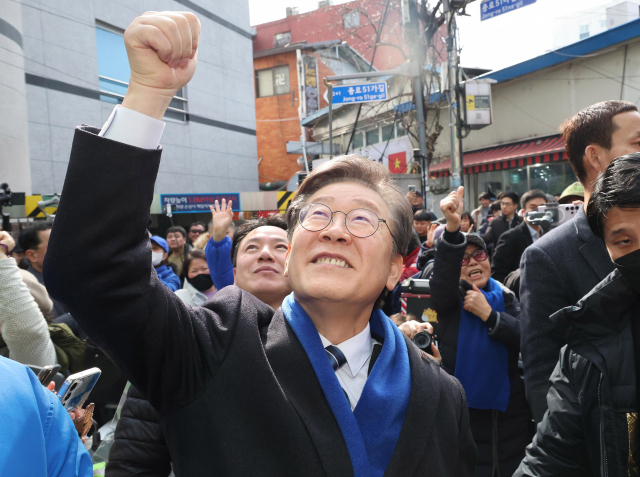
[(190, 203), (310, 84)]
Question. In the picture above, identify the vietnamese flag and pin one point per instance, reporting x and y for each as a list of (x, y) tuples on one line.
[(398, 162)]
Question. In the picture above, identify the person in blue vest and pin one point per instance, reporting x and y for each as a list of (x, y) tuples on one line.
[(479, 339), (159, 255), (326, 385), (37, 436)]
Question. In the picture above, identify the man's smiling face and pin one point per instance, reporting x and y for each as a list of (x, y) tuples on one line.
[(332, 265)]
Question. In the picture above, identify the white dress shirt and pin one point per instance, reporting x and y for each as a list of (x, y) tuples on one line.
[(133, 128), (534, 233), (139, 130), (353, 375)]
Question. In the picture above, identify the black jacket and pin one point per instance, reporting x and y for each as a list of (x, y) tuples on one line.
[(593, 388), (495, 433), (497, 227), (139, 447), (556, 271), (234, 389), (511, 246)]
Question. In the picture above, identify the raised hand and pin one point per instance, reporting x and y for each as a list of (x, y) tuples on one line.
[(163, 49), (222, 216), (8, 243), (432, 230), (452, 207)]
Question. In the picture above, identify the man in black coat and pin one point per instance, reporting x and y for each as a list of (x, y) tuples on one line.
[(569, 261), (241, 389), (508, 219), (513, 243), (591, 426)]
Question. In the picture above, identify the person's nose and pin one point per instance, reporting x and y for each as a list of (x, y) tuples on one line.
[(266, 255), (336, 231)]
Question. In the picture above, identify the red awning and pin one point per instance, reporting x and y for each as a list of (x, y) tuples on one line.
[(535, 151)]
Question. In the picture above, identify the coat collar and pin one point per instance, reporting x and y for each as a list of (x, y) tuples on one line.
[(591, 247), (302, 389)]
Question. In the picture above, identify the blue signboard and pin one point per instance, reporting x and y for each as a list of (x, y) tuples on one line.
[(359, 93), (493, 8), (189, 203)]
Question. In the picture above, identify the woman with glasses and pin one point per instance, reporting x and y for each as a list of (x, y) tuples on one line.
[(479, 332)]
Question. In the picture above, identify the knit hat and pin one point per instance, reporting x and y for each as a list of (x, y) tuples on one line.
[(161, 242)]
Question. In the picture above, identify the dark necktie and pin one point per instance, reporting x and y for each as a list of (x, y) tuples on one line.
[(336, 357)]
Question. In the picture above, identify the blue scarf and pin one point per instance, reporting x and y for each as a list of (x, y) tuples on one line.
[(482, 365), (371, 431)]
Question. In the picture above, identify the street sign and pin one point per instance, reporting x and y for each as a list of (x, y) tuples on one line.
[(359, 93), (189, 203), (315, 148), (493, 8)]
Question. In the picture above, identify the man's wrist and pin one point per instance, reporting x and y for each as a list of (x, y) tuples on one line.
[(451, 227), (148, 101)]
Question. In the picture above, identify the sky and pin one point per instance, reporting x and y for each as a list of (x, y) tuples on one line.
[(492, 44)]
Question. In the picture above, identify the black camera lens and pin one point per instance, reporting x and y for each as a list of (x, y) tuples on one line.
[(423, 341)]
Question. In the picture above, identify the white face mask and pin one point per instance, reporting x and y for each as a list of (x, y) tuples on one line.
[(156, 258)]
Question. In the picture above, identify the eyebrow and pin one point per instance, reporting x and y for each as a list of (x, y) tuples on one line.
[(368, 203), (619, 231)]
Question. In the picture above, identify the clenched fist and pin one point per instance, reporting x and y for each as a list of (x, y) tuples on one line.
[(163, 49), (452, 207)]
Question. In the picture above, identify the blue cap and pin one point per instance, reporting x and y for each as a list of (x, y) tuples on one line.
[(160, 241)]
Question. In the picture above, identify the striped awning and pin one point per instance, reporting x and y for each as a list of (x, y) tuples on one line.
[(523, 153)]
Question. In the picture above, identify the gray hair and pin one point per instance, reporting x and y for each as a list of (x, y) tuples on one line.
[(371, 174)]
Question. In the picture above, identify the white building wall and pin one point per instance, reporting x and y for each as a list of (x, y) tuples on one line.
[(215, 151)]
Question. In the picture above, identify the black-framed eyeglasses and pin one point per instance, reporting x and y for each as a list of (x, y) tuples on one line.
[(479, 256), (196, 231), (360, 223)]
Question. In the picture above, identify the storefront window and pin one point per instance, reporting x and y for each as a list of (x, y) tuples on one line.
[(516, 180), (550, 178)]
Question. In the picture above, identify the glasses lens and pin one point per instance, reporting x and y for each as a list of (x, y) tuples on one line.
[(480, 255), (315, 217), (465, 260), (362, 222)]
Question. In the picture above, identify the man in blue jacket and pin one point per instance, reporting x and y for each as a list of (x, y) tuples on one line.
[(38, 438)]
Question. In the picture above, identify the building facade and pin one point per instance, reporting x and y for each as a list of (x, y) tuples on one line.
[(64, 64)]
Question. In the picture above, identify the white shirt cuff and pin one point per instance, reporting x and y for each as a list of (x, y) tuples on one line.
[(133, 128)]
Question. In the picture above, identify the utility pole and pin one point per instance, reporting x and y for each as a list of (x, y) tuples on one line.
[(452, 92), (413, 36)]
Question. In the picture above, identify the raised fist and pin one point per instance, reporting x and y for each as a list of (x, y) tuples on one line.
[(452, 207), (163, 49)]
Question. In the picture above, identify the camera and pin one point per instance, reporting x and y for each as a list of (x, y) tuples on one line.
[(5, 195), (549, 216), (423, 341)]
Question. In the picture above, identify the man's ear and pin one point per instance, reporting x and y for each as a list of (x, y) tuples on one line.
[(395, 273), (234, 275), (286, 261), (592, 158), (31, 255)]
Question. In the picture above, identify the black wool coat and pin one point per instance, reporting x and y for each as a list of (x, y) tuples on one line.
[(235, 392), (555, 272), (508, 252)]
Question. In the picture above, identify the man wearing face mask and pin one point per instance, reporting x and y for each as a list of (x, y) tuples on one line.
[(159, 255), (591, 426)]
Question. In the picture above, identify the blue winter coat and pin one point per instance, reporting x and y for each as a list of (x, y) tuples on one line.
[(37, 437), (219, 261), (170, 279)]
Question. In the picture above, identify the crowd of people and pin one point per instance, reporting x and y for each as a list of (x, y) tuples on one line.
[(266, 349)]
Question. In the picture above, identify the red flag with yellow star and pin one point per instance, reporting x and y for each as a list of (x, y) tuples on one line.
[(398, 162)]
